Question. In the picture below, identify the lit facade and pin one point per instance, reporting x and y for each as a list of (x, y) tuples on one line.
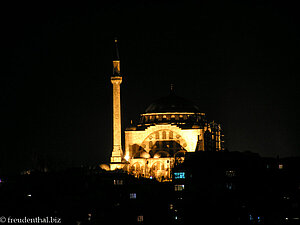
[(170, 127)]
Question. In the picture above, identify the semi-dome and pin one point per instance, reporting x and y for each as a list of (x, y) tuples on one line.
[(172, 103)]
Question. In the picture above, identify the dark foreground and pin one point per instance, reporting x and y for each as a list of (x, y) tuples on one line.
[(209, 188)]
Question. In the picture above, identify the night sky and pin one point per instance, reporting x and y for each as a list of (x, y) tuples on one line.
[(237, 60)]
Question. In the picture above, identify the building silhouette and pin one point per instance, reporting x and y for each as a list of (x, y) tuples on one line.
[(170, 127)]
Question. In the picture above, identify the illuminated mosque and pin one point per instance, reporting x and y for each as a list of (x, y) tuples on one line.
[(170, 127)]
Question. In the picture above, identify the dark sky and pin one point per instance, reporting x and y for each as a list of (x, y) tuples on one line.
[(237, 60)]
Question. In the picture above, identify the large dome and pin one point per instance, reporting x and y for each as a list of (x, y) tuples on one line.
[(172, 103)]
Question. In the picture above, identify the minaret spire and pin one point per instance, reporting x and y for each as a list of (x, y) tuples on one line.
[(116, 60), (116, 80)]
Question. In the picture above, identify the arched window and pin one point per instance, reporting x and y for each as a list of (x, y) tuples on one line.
[(164, 135), (150, 144), (156, 135), (170, 135)]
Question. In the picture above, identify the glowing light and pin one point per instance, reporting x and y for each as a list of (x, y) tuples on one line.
[(230, 173), (89, 216), (179, 175), (118, 182), (250, 217), (29, 195), (156, 156), (179, 187), (105, 167), (140, 218), (145, 155), (127, 157), (132, 195)]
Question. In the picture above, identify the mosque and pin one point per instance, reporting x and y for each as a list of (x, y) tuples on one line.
[(169, 128)]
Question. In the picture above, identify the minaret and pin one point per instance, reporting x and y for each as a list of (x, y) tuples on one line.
[(116, 80)]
